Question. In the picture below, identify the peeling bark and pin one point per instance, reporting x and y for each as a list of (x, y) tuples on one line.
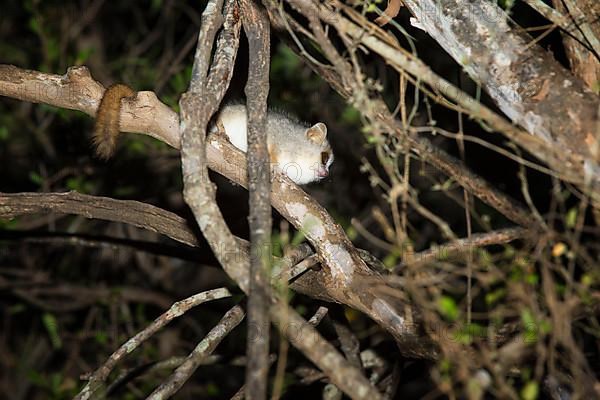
[(524, 80)]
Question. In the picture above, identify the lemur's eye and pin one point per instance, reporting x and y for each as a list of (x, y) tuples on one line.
[(324, 157)]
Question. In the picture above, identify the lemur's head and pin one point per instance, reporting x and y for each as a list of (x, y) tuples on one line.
[(307, 158), (317, 135)]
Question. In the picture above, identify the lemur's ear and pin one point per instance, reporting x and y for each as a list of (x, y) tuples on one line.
[(317, 133)]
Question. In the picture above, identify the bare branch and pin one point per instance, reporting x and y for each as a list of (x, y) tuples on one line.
[(442, 252), (344, 269), (96, 381), (230, 320), (378, 113), (526, 82), (131, 212), (197, 106), (256, 26), (77, 90)]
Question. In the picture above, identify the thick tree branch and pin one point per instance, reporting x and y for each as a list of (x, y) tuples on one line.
[(76, 90), (377, 111), (335, 250), (344, 267), (256, 26), (197, 106), (524, 80), (585, 63), (131, 212)]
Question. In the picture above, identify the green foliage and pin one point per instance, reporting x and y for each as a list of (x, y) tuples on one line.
[(9, 224), (530, 391), (495, 296), (212, 389), (350, 115), (297, 238), (448, 308), (4, 135), (392, 258), (51, 326), (178, 84), (17, 308), (533, 327), (49, 148), (285, 63), (83, 55), (469, 333), (101, 337), (571, 218), (55, 385), (136, 147), (507, 4), (36, 178), (80, 184)]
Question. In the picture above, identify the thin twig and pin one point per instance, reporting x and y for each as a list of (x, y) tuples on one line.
[(230, 320), (448, 249), (96, 381)]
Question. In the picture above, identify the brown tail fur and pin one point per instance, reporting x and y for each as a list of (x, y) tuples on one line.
[(106, 128)]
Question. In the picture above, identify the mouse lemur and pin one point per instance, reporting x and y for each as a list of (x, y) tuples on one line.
[(297, 150)]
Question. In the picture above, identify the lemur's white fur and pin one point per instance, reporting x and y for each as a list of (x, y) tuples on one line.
[(301, 152)]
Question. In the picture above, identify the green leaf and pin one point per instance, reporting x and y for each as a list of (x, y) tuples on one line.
[(352, 233), (36, 178), (530, 391), (495, 296), (448, 308), (587, 279), (3, 133), (297, 239), (445, 365), (51, 326), (372, 139), (485, 258), (530, 325), (17, 308), (136, 147), (350, 115), (527, 318), (509, 252), (156, 5), (34, 25), (468, 333), (101, 337), (571, 218), (212, 390), (79, 184), (83, 55), (545, 327), (532, 279), (8, 224)]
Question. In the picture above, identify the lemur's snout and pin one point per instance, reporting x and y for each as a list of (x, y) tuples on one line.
[(322, 173)]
